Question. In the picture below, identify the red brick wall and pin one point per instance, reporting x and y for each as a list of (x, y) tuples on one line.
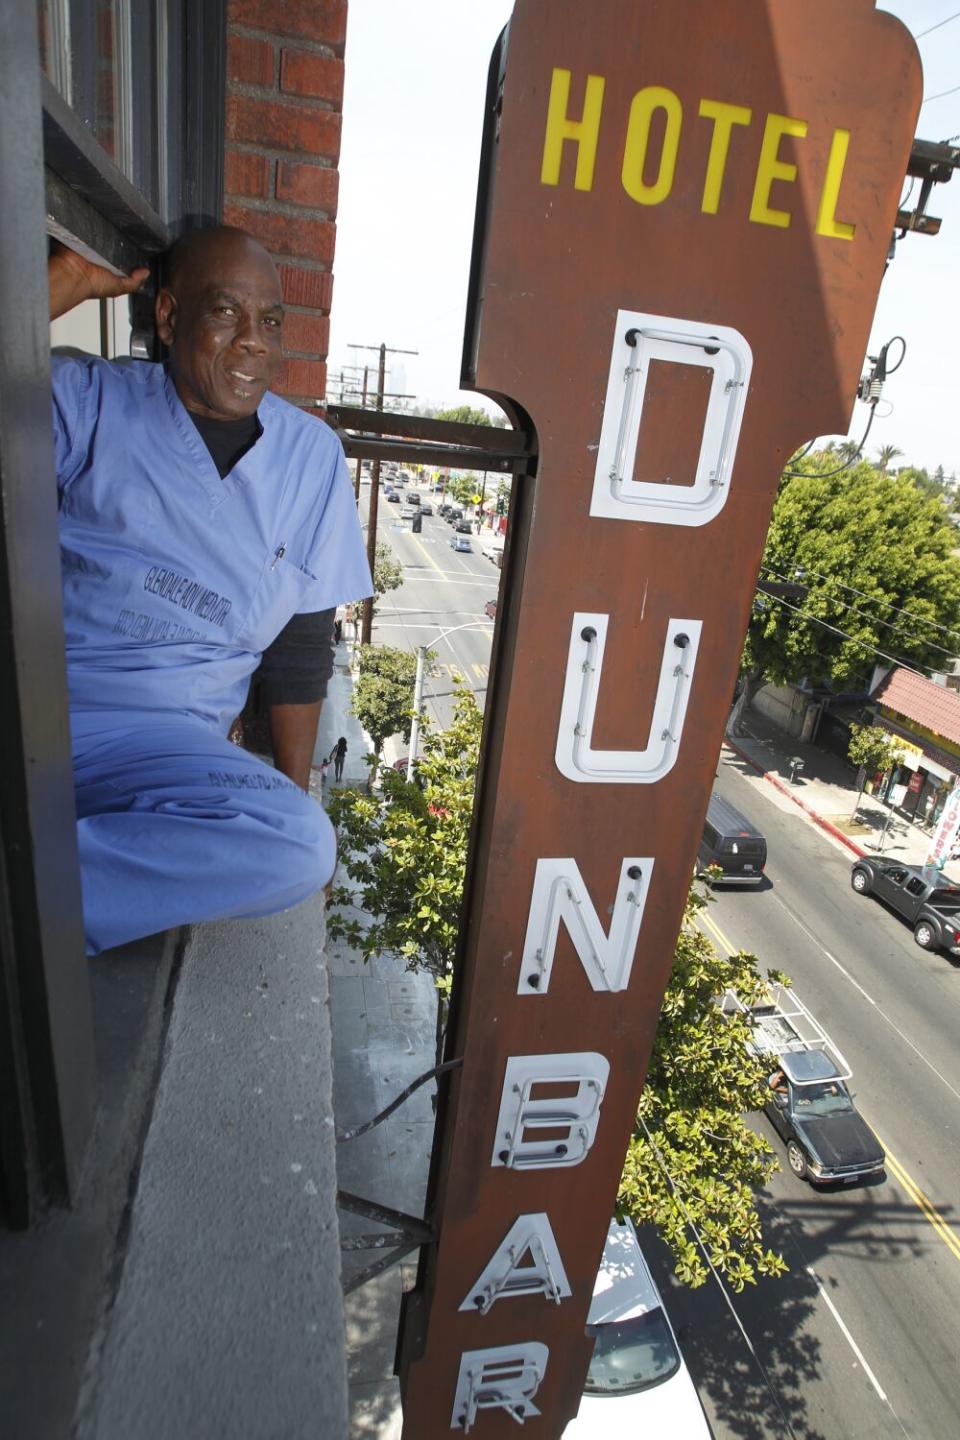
[(284, 101)]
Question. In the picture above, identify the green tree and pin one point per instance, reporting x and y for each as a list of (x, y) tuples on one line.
[(870, 548), (871, 749), (885, 455), (405, 856), (690, 1120), (387, 572), (464, 415), (383, 694)]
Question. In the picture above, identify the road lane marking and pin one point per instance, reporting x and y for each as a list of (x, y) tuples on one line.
[(923, 1202), (426, 554), (847, 1336), (726, 944), (866, 995), (913, 1192)]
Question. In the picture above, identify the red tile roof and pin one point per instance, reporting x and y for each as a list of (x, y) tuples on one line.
[(920, 700)]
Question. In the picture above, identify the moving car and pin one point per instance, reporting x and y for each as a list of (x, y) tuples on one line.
[(732, 843), (413, 497), (637, 1384), (461, 543), (393, 496), (463, 526), (426, 508), (407, 511), (808, 1102), (490, 609), (813, 1112), (919, 893)]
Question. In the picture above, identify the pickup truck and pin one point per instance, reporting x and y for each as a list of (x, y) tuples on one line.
[(921, 894), (808, 1103)]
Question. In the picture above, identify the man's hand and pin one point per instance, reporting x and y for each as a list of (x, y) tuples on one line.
[(72, 279)]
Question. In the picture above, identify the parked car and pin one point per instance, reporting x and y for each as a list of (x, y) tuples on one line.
[(393, 496), (461, 543), (732, 843), (919, 893), (454, 513), (637, 1384), (490, 609), (444, 509)]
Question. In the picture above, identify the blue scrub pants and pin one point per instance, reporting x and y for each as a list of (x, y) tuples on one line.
[(176, 825)]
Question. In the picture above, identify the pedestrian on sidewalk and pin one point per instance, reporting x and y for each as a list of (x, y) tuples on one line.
[(338, 755)]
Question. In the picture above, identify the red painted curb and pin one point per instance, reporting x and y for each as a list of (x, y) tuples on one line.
[(785, 789)]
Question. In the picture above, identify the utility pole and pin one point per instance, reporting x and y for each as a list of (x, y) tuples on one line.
[(367, 622), (363, 406)]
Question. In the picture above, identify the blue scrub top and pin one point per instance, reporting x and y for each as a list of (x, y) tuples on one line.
[(176, 580)]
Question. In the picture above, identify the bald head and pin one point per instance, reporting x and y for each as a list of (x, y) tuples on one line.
[(199, 252), (221, 313)]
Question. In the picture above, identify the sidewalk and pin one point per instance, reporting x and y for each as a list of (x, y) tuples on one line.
[(826, 790), (382, 1022)]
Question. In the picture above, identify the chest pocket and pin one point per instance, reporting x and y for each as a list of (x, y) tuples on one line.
[(284, 589)]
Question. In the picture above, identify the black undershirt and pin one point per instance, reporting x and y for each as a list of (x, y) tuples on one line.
[(295, 668), (228, 440)]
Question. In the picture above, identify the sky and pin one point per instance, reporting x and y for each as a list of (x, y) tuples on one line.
[(413, 116)]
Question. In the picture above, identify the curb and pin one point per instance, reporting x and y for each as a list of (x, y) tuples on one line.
[(784, 789)]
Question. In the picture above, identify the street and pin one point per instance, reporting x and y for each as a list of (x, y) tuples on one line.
[(860, 1338), (442, 590)]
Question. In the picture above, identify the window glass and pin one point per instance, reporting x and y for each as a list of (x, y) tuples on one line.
[(827, 1097), (631, 1355), (117, 64), (915, 886)]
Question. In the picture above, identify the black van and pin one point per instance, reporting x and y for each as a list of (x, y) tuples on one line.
[(730, 841)]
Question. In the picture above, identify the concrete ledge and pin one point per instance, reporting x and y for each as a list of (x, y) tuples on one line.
[(228, 1316), (53, 1278)]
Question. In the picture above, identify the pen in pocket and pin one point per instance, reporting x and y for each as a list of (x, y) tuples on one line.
[(279, 553)]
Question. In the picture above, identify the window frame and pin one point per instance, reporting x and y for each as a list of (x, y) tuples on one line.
[(56, 179)]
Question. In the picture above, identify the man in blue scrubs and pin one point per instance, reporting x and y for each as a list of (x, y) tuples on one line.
[(201, 518)]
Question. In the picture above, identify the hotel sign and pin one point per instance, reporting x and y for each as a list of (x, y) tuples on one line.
[(684, 219)]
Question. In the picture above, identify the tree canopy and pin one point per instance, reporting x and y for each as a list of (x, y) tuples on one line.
[(701, 1080), (405, 852), (387, 571), (383, 692), (869, 547)]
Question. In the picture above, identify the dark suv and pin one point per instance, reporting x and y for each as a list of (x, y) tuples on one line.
[(731, 843)]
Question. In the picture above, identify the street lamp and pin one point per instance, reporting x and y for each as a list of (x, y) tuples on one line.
[(418, 685)]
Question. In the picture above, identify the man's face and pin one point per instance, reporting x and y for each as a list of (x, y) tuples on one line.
[(223, 322)]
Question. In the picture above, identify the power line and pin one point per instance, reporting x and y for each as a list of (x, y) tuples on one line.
[(681, 1206), (901, 609), (861, 644), (939, 25), (942, 95), (850, 608)]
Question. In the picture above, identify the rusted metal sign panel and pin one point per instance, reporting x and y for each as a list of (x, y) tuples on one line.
[(684, 232)]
